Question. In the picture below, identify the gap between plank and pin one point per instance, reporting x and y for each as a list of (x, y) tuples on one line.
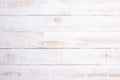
[(67, 64), (59, 15), (59, 48)]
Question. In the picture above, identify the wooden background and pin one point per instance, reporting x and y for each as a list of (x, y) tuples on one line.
[(59, 39)]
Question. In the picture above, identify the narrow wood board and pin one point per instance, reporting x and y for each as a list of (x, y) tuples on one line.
[(75, 72), (59, 7), (60, 40), (59, 23), (59, 56)]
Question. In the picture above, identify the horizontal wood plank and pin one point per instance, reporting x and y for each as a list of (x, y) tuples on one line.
[(37, 72), (59, 23), (59, 7), (59, 56), (60, 40)]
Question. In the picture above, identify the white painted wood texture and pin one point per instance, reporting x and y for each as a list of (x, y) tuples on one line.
[(60, 56), (60, 40), (59, 23), (59, 7), (58, 72)]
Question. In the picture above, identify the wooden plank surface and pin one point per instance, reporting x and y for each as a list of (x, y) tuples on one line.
[(59, 56), (60, 40), (78, 72), (59, 7), (59, 23)]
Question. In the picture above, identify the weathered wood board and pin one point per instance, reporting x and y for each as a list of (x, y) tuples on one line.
[(65, 72), (59, 23), (60, 40), (60, 56), (59, 7)]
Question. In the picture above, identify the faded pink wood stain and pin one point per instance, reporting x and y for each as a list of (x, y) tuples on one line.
[(61, 74), (18, 3), (10, 74)]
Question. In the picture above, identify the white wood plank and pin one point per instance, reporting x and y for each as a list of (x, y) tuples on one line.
[(60, 40), (59, 23), (37, 72), (60, 56), (59, 7)]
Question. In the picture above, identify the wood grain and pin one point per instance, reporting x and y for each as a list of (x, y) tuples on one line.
[(36, 72), (59, 56), (59, 23), (60, 40), (59, 7)]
